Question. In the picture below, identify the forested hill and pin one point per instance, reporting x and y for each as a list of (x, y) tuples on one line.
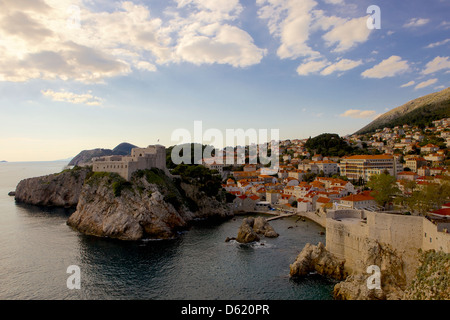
[(418, 112)]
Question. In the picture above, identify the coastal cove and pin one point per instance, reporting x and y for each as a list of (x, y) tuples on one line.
[(37, 246)]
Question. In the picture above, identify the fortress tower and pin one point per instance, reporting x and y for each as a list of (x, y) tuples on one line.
[(154, 156)]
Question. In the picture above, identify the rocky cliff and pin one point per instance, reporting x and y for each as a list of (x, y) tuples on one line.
[(60, 189), (151, 205), (392, 276), (432, 280)]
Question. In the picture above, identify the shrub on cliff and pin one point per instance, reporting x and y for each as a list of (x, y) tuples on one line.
[(118, 184), (432, 281)]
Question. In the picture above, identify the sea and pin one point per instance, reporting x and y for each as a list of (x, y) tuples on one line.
[(38, 252)]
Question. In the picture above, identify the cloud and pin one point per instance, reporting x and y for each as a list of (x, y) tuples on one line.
[(341, 65), (224, 45), (348, 34), (411, 83), (437, 64), (289, 21), (425, 84), (296, 23), (359, 114), (38, 42), (389, 67), (311, 67), (205, 34), (64, 96), (437, 44), (335, 1), (416, 22)]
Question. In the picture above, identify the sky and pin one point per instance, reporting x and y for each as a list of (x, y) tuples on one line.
[(84, 74)]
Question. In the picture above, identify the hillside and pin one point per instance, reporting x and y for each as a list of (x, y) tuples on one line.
[(421, 112), (85, 156)]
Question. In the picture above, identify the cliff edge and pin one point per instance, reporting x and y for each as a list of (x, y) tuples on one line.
[(151, 205), (60, 189)]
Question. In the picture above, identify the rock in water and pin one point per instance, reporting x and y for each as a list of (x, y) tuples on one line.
[(246, 233), (317, 258), (261, 226)]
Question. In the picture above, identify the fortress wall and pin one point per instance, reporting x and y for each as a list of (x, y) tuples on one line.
[(402, 233), (318, 218), (119, 167), (346, 240), (432, 239), (140, 159)]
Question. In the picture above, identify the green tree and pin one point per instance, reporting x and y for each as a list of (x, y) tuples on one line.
[(432, 196), (384, 188)]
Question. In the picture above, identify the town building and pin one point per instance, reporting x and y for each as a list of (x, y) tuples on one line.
[(357, 201), (364, 166)]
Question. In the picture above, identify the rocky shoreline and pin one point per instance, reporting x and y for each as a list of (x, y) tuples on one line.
[(431, 281), (151, 206)]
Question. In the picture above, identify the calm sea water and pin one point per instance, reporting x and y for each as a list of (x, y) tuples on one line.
[(36, 247)]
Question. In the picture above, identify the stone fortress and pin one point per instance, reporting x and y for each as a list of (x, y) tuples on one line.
[(347, 233), (154, 156)]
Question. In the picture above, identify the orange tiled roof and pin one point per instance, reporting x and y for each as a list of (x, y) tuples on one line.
[(323, 200), (370, 157), (357, 198)]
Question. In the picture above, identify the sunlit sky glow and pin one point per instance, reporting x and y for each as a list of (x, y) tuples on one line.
[(80, 74)]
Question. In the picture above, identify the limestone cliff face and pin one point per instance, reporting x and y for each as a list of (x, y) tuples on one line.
[(205, 207), (392, 280), (137, 210), (60, 189), (317, 259)]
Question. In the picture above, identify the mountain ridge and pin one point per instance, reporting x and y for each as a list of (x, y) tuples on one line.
[(430, 107), (85, 156)]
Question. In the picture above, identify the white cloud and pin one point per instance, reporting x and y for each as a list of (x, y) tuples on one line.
[(335, 1), (390, 67), (359, 114), (311, 67), (225, 45), (290, 21), (437, 64), (341, 65), (416, 22), (145, 65), (64, 96), (425, 84), (409, 84), (296, 23), (38, 42), (437, 44), (348, 34)]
